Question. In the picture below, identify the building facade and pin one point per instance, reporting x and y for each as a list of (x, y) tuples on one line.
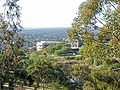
[(42, 44)]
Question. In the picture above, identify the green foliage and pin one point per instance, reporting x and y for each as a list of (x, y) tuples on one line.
[(44, 70), (101, 53), (57, 49), (11, 43), (63, 51)]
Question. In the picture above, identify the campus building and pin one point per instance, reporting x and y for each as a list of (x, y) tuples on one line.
[(42, 44)]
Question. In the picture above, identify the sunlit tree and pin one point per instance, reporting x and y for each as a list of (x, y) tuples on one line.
[(101, 53)]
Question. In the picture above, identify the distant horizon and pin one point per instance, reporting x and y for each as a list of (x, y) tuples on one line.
[(43, 27)]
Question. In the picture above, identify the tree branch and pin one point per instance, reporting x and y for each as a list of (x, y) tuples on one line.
[(114, 7), (99, 20)]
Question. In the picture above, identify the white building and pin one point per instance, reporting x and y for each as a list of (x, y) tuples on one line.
[(42, 44), (73, 44)]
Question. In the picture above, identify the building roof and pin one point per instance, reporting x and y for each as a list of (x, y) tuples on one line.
[(46, 42)]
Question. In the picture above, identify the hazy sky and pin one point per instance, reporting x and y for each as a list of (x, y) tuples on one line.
[(48, 13)]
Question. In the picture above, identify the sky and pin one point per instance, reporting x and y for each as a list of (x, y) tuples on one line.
[(48, 13)]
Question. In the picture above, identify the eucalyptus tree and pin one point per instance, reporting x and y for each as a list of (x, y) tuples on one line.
[(11, 42), (101, 53), (92, 12)]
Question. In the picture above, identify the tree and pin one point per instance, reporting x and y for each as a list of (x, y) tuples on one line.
[(87, 19), (45, 71), (11, 41), (101, 53)]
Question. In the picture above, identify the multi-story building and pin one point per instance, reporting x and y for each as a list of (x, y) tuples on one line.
[(42, 44)]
